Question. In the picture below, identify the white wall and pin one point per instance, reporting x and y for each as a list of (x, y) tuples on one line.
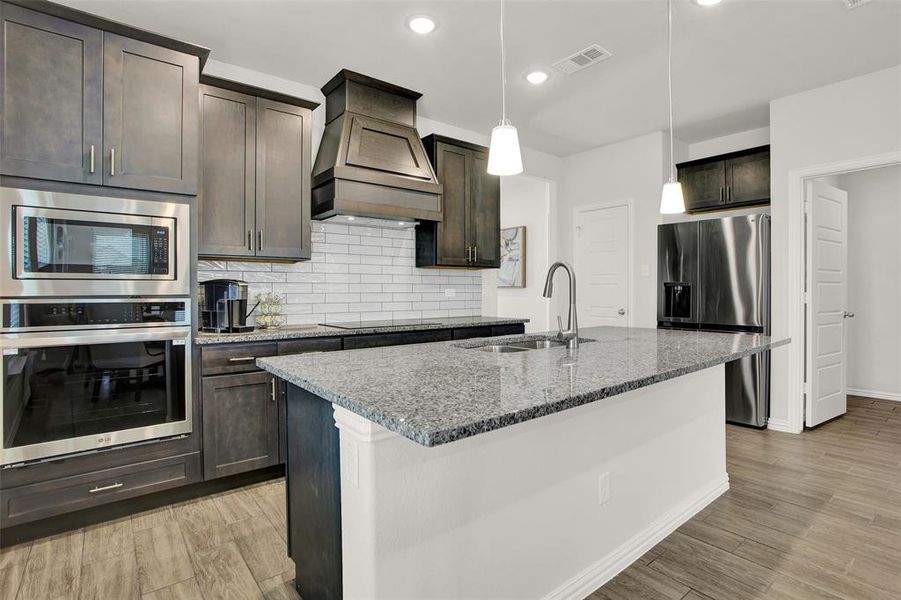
[(733, 142), (874, 281), (526, 201), (633, 169), (848, 120)]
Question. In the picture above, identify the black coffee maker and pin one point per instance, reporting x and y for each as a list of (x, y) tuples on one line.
[(223, 306)]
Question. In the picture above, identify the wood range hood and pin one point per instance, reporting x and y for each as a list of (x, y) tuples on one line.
[(371, 161)]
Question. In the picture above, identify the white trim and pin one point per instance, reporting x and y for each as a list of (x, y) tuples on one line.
[(780, 425), (360, 428), (629, 203), (609, 566), (797, 180), (875, 394)]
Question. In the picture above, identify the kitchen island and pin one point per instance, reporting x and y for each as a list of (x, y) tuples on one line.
[(445, 470)]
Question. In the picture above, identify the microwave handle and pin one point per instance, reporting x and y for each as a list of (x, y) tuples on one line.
[(181, 335)]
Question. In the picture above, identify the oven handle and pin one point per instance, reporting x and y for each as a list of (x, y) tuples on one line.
[(73, 338)]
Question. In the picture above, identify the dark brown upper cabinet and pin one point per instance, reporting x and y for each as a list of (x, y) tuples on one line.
[(86, 100), (150, 116), (52, 101), (469, 233), (254, 199), (726, 181)]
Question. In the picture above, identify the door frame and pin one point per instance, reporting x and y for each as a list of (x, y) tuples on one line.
[(629, 203), (798, 247)]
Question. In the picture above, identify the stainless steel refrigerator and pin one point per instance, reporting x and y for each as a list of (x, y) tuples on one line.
[(714, 275)]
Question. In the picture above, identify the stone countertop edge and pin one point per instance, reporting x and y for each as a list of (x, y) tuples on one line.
[(437, 438), (290, 332)]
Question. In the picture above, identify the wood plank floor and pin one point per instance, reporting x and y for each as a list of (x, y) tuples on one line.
[(816, 516)]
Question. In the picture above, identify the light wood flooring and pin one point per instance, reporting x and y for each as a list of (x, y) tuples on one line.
[(816, 516)]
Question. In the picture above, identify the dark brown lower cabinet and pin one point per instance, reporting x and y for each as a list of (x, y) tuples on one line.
[(240, 423)]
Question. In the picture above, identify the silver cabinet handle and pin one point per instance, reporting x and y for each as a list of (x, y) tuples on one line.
[(250, 240), (621, 311), (112, 162), (468, 253), (729, 193), (273, 389), (241, 358), (91, 168), (259, 239), (104, 488), (848, 315), (722, 195), (475, 253)]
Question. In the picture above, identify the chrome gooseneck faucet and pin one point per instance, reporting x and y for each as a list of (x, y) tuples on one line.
[(571, 334)]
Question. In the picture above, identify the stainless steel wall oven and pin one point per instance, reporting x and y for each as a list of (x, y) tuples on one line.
[(79, 375)]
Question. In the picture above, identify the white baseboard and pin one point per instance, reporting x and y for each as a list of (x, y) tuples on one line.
[(609, 566), (876, 394), (781, 425)]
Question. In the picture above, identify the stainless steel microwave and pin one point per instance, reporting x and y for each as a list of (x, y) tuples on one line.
[(75, 245)]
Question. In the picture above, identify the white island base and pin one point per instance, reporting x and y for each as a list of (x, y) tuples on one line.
[(523, 511)]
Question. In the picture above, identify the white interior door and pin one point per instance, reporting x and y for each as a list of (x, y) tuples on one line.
[(827, 270), (602, 265)]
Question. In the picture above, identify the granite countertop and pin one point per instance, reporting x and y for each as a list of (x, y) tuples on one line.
[(362, 327), (445, 391)]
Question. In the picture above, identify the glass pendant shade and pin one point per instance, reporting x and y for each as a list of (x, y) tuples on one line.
[(671, 200), (504, 157)]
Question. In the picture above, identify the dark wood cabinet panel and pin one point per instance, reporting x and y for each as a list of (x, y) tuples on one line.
[(225, 202), (396, 339), (283, 180), (484, 213), (748, 179), (151, 116), (52, 78), (224, 359), (304, 345), (469, 234), (28, 503), (726, 181), (240, 423), (452, 169), (703, 185)]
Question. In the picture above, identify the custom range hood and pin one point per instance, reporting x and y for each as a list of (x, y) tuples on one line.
[(371, 161)]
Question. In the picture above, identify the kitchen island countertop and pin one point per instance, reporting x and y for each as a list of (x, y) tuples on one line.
[(445, 391)]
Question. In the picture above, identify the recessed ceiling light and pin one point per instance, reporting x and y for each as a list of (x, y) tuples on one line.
[(421, 24), (707, 2), (536, 77)]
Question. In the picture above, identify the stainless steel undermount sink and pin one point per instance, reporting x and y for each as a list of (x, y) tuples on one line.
[(499, 349), (538, 344)]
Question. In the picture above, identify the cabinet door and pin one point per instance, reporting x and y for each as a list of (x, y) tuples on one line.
[(748, 179), (704, 185), (52, 102), (484, 213), (453, 173), (283, 149), (151, 114), (227, 174), (240, 423)]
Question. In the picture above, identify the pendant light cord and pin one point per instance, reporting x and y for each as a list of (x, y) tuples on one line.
[(669, 75), (503, 71)]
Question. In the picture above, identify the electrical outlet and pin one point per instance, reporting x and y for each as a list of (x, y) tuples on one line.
[(450, 293), (604, 488)]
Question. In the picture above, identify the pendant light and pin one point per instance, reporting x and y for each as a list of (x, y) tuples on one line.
[(671, 200), (504, 157)]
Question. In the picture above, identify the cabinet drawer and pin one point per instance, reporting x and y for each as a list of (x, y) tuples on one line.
[(327, 344), (40, 500), (465, 333), (396, 339), (512, 329), (234, 358)]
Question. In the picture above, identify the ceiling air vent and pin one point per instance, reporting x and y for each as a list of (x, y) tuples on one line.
[(852, 4), (583, 58)]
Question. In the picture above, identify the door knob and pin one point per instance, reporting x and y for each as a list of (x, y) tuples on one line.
[(621, 311), (848, 315)]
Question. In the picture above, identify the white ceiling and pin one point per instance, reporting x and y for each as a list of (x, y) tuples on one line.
[(729, 60)]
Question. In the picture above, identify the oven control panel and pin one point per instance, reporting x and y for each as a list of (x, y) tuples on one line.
[(91, 314)]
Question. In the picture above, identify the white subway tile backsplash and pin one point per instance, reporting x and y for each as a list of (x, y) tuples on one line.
[(356, 273)]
